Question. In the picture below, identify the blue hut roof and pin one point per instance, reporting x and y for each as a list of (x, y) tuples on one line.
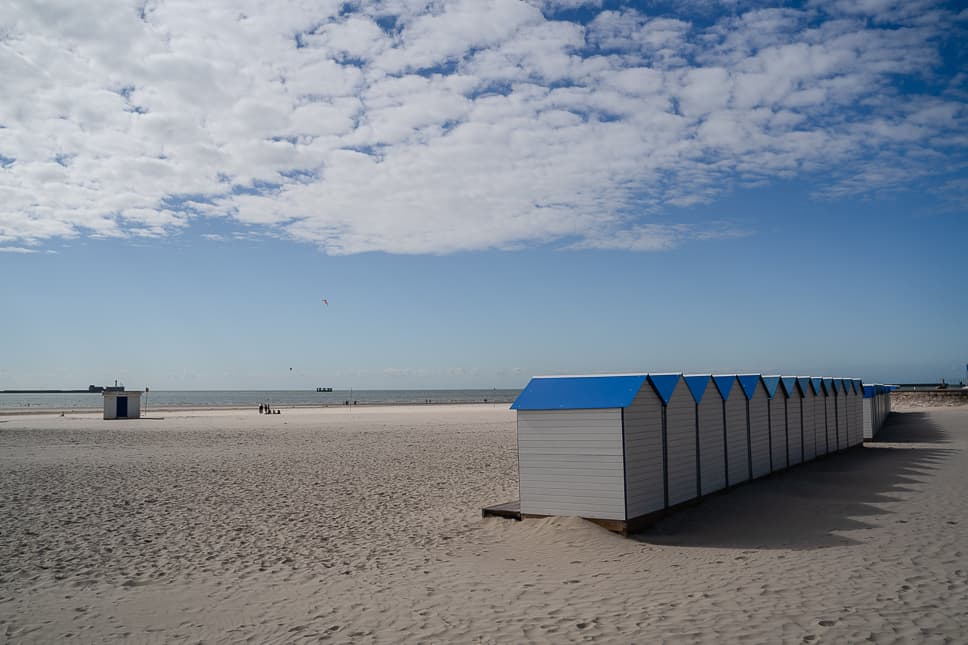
[(665, 385), (816, 384), (724, 383), (789, 384), (771, 383), (748, 383), (579, 392), (829, 386), (697, 385), (805, 384)]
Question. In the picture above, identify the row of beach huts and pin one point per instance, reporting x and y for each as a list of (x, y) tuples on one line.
[(622, 449)]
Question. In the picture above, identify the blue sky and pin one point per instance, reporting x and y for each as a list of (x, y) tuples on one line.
[(483, 191)]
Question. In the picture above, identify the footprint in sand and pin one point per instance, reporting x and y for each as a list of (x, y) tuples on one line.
[(826, 623)]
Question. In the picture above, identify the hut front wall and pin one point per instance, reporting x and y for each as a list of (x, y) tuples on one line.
[(794, 429), (712, 442), (110, 407), (571, 463), (737, 440), (778, 431), (760, 431), (645, 481), (681, 445)]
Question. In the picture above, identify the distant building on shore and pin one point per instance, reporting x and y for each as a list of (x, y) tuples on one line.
[(119, 404)]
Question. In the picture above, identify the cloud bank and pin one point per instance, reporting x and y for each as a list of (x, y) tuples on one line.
[(418, 126)]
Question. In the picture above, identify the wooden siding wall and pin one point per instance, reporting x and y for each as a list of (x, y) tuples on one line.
[(644, 483), (571, 463), (809, 433), (737, 439), (794, 429), (820, 424), (712, 442), (778, 431), (831, 426), (876, 410), (868, 418), (681, 445), (858, 410), (843, 425), (760, 431)]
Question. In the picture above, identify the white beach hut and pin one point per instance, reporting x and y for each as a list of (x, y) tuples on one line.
[(737, 436), (777, 422), (591, 446), (858, 411), (757, 423), (830, 413), (843, 418), (711, 429), (124, 404), (794, 419), (681, 467), (877, 405), (809, 403), (819, 416)]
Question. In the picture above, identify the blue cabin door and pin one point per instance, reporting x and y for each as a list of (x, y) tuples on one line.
[(122, 407)]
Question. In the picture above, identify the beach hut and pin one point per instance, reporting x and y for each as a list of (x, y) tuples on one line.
[(122, 404), (711, 432), (819, 417), (794, 419), (807, 407), (877, 406), (777, 422), (757, 423), (843, 425), (593, 447), (680, 432), (858, 410), (737, 436), (830, 414)]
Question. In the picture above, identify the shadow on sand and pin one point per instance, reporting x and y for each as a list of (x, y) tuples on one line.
[(808, 506)]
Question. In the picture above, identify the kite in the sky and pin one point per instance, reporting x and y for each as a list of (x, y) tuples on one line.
[(325, 302)]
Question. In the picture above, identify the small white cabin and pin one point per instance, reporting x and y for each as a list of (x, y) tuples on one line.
[(122, 405)]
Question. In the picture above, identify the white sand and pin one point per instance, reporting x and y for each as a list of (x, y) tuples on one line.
[(364, 525)]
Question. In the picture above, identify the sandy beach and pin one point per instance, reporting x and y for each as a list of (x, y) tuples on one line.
[(363, 525)]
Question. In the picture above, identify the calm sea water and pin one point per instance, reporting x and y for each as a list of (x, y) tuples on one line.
[(281, 398)]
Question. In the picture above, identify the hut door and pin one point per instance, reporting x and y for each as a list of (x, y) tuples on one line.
[(122, 407)]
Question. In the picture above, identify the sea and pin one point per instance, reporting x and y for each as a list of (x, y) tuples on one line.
[(244, 398)]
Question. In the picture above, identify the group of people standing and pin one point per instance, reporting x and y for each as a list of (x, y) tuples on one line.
[(264, 408)]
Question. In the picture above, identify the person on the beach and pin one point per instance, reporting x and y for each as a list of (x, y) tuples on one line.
[(261, 408)]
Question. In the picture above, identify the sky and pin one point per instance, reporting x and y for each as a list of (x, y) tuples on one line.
[(482, 191)]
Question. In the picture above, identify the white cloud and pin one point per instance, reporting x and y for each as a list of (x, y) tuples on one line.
[(412, 126)]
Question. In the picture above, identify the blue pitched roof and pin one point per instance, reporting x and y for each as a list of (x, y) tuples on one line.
[(771, 383), (829, 386), (579, 392), (724, 383), (697, 385), (789, 384), (748, 383), (665, 385), (817, 384), (805, 384)]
